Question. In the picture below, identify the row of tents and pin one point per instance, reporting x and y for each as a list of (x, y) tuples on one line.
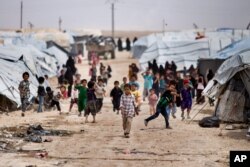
[(225, 51), (20, 53), (41, 53)]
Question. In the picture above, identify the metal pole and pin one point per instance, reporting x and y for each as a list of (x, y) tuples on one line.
[(21, 18), (113, 20)]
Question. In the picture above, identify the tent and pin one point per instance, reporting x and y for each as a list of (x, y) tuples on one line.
[(231, 85), (183, 48)]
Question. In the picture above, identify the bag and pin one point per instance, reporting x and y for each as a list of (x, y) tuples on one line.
[(210, 122)]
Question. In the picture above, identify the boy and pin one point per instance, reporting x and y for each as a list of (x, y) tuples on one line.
[(115, 95), (82, 96), (24, 92), (186, 99), (91, 102), (148, 83), (41, 93), (100, 93), (165, 100), (127, 109)]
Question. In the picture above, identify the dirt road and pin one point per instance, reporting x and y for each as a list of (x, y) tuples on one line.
[(102, 143)]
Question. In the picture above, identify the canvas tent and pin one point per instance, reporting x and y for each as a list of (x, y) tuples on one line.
[(231, 85), (182, 47)]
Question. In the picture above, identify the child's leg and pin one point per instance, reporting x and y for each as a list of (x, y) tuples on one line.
[(151, 110), (71, 105), (128, 126), (58, 106), (182, 113), (124, 120), (94, 121), (188, 112)]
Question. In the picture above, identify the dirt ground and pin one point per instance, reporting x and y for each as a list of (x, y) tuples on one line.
[(102, 143)]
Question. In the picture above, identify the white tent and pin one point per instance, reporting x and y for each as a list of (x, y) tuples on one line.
[(182, 48)]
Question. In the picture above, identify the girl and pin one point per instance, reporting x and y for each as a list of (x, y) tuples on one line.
[(152, 101)]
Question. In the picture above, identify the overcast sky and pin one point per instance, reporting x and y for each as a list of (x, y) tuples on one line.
[(129, 14)]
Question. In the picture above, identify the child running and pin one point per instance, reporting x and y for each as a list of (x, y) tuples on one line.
[(127, 109), (24, 92), (91, 102), (115, 95), (152, 101), (165, 101), (186, 99), (82, 96)]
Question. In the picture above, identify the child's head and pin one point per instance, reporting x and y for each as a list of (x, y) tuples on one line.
[(124, 79), (127, 89), (100, 82), (133, 77), (84, 82), (171, 85), (46, 77), (116, 83), (40, 80), (62, 72), (78, 76), (26, 76), (91, 84), (152, 91), (186, 83), (133, 87), (62, 88), (48, 89)]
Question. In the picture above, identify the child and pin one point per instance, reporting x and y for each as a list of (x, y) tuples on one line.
[(24, 92), (165, 100), (115, 95), (82, 96), (41, 93), (127, 109), (125, 80), (93, 72), (100, 93), (152, 100), (148, 83), (64, 92), (186, 99), (137, 95), (56, 101), (162, 84), (74, 98), (200, 88), (91, 102), (48, 98)]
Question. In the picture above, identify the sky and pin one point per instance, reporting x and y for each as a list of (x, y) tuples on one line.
[(129, 14)]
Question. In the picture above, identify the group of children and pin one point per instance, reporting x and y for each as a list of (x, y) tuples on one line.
[(125, 97)]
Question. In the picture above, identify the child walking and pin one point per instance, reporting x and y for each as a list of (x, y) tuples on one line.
[(125, 81), (115, 95), (24, 92), (152, 101), (74, 98), (91, 102), (100, 93), (186, 99), (127, 108), (82, 96), (41, 93)]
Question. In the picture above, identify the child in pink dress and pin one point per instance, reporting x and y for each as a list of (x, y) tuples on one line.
[(152, 101)]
